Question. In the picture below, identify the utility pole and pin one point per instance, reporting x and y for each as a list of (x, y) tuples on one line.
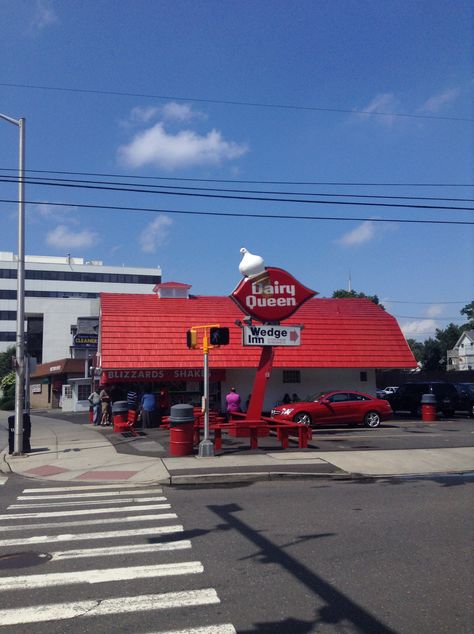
[(20, 293)]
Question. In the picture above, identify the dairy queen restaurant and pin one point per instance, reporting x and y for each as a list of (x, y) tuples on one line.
[(335, 344)]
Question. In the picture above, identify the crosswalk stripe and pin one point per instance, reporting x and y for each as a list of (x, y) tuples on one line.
[(85, 503), (106, 607), (87, 522), (106, 575), (129, 549), (86, 487), (39, 539), (92, 494), (223, 628), (119, 509)]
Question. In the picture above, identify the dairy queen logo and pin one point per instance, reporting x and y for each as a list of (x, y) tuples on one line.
[(272, 295)]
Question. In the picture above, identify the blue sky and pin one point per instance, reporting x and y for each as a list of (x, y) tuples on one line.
[(192, 61)]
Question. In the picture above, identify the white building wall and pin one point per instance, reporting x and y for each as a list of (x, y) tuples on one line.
[(312, 382), (59, 313), (58, 317)]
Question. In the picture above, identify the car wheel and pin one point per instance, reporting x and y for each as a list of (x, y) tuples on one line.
[(303, 417), (372, 419)]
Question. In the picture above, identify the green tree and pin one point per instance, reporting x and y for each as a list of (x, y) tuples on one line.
[(342, 294), (432, 355), (7, 387), (417, 347), (447, 338), (468, 310), (6, 361)]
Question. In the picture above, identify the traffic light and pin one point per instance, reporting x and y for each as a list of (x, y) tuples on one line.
[(191, 338), (219, 336)]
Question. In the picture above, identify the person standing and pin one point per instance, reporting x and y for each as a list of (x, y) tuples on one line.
[(94, 400), (132, 399), (148, 404), (105, 405), (163, 404), (232, 402)]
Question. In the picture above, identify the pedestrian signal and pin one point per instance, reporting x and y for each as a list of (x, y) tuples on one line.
[(219, 336), (191, 339)]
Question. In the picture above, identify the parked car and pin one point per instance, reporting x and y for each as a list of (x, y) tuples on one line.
[(465, 398), (391, 389), (336, 407), (408, 397)]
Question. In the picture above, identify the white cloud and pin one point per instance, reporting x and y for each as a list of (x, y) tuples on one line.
[(186, 148), (424, 327), (64, 238), (173, 111), (434, 310), (384, 102), (365, 232), (43, 16), (46, 210), (143, 114), (155, 234), (436, 103)]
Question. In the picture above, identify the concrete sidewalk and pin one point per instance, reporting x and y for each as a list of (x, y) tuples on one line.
[(78, 452)]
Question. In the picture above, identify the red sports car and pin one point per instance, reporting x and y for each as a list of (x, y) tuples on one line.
[(336, 407)]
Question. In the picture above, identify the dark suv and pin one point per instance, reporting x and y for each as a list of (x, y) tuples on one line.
[(408, 397), (465, 398)]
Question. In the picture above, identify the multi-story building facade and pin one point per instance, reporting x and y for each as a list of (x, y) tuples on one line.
[(58, 292)]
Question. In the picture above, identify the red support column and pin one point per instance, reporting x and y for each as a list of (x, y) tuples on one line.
[(260, 383)]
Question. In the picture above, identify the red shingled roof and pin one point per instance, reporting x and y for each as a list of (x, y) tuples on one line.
[(144, 331)]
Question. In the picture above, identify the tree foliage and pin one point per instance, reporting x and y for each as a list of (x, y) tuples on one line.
[(343, 294), (6, 361), (432, 353)]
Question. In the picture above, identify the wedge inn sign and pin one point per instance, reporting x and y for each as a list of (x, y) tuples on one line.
[(271, 335)]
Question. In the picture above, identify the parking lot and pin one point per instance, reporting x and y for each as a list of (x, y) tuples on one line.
[(399, 433)]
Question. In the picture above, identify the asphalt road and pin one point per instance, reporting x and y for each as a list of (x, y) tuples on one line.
[(384, 557), (292, 557)]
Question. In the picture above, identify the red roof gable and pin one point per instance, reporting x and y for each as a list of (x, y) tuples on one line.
[(143, 331)]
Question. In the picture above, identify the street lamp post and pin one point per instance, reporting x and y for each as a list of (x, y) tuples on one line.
[(20, 293)]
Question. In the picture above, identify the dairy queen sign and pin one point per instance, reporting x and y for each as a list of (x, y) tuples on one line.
[(271, 297)]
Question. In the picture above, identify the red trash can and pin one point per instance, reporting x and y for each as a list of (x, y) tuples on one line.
[(181, 422), (120, 415), (428, 408)]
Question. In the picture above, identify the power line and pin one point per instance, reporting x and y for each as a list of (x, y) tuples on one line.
[(118, 93), (240, 214), (251, 198), (399, 301), (237, 181), (69, 181), (426, 318)]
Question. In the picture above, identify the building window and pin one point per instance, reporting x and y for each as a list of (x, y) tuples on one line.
[(83, 392), (363, 377), (291, 376), (7, 336), (67, 391)]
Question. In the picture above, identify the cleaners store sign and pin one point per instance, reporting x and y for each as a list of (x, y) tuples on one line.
[(274, 298)]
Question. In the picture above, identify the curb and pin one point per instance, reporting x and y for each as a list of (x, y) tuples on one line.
[(4, 464), (255, 476)]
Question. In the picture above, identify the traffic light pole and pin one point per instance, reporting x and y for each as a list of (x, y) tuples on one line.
[(206, 446)]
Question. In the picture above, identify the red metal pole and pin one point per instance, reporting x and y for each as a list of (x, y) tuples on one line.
[(260, 383)]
